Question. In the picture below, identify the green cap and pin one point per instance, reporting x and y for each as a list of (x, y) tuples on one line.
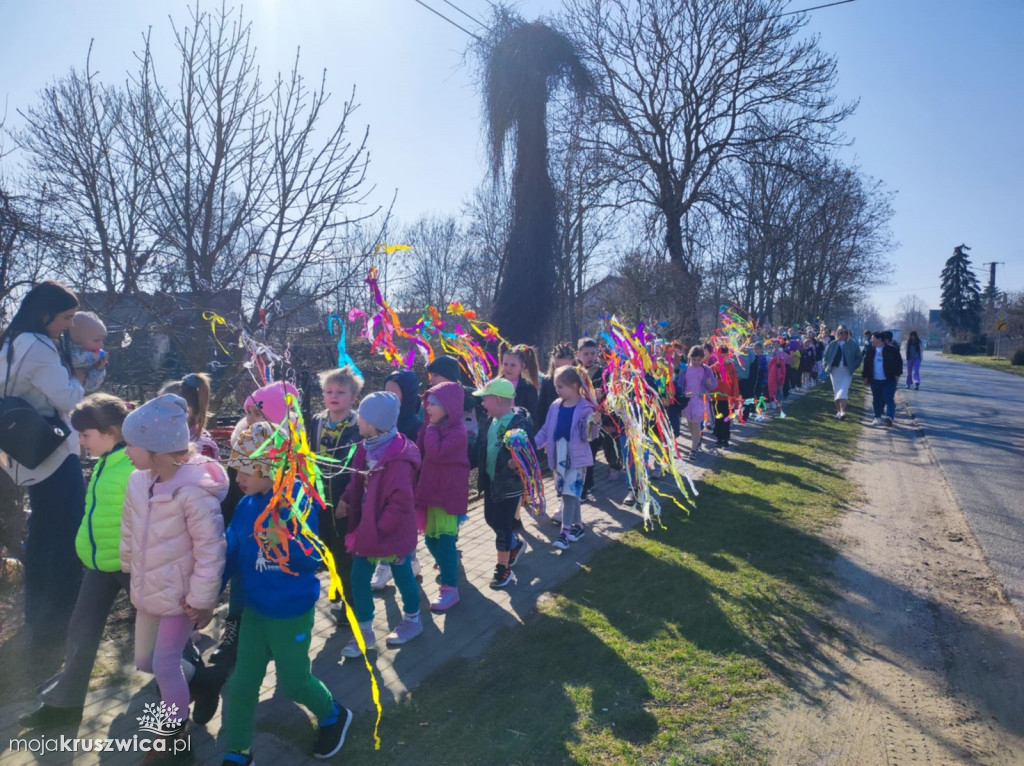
[(498, 387)]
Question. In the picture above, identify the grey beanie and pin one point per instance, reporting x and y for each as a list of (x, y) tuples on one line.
[(160, 425), (380, 409)]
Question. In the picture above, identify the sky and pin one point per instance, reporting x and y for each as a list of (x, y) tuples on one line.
[(940, 85)]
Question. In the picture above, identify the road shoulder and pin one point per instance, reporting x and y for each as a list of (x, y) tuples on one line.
[(926, 666)]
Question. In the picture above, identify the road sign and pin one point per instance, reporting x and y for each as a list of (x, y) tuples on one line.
[(1002, 316), (1001, 326)]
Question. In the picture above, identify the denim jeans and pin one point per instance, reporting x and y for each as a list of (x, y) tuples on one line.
[(883, 395), (52, 569)]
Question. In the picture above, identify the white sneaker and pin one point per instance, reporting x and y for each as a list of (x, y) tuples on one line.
[(876, 422), (630, 499), (381, 576), (838, 416)]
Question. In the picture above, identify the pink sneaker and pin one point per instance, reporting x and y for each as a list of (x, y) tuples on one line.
[(406, 631), (448, 598)]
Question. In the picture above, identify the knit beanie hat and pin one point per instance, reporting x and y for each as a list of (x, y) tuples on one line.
[(447, 367), (246, 443), (270, 400), (380, 409), (160, 425)]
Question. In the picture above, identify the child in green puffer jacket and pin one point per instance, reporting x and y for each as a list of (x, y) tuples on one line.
[(98, 420)]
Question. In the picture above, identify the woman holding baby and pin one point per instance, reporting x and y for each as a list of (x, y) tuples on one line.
[(36, 366)]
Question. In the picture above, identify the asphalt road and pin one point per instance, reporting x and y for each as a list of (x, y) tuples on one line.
[(973, 419)]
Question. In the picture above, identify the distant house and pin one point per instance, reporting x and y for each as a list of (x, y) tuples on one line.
[(604, 296)]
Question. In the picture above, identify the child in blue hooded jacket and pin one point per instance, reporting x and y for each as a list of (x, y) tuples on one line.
[(278, 612)]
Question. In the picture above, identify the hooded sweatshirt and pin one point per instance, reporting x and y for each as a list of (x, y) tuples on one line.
[(381, 506), (172, 537), (444, 473), (266, 587), (409, 417)]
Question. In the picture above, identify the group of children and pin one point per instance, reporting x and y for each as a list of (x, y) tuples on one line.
[(167, 522)]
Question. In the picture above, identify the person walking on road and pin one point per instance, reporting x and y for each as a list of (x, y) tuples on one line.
[(842, 356), (883, 367), (914, 355)]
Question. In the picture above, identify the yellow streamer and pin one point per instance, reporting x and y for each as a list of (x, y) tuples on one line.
[(216, 319)]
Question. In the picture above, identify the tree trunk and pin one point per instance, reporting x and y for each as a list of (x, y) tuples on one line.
[(687, 282)]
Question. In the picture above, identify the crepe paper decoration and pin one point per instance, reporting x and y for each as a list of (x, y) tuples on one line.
[(383, 327), (485, 330), (389, 249), (526, 465), (297, 492), (648, 441), (343, 356), (215, 319)]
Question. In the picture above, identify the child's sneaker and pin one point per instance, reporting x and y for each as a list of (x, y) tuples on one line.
[(331, 736), (513, 555), (562, 542), (351, 649), (407, 630), (381, 576), (446, 599), (576, 533), (630, 498), (503, 577)]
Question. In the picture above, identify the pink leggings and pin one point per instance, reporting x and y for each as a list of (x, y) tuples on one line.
[(159, 642)]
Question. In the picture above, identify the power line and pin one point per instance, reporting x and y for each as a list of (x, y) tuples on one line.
[(457, 26), (814, 8), (471, 18)]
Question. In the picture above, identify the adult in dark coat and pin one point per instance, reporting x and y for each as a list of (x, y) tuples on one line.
[(883, 367)]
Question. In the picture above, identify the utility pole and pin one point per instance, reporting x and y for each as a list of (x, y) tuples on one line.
[(992, 281)]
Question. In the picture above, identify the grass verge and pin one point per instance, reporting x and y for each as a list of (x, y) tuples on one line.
[(992, 362), (664, 644)]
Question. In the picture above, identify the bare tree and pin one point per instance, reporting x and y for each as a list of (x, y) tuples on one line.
[(245, 191), (912, 314), (689, 86), (434, 272), (82, 142), (588, 213), (487, 231)]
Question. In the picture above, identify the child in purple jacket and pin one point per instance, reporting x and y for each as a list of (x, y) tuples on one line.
[(571, 424), (442, 492), (382, 517)]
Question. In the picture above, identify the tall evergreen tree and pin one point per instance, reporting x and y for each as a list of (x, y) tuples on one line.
[(521, 66), (961, 293)]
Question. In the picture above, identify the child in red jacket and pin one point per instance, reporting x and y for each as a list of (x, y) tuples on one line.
[(382, 517), (725, 395), (442, 492)]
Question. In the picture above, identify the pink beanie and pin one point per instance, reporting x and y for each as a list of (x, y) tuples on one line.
[(270, 400)]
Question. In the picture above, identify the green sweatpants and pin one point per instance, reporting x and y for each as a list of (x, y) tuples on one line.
[(286, 642)]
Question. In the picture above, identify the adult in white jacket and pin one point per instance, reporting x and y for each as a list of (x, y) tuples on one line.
[(33, 367)]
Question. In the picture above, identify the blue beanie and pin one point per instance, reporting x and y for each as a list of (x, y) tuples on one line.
[(380, 409), (160, 425)]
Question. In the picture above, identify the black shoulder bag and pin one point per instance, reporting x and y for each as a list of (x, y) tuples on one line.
[(25, 435)]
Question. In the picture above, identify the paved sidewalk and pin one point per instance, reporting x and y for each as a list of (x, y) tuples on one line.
[(284, 731)]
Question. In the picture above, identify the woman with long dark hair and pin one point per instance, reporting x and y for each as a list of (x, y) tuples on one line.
[(914, 356), (35, 366)]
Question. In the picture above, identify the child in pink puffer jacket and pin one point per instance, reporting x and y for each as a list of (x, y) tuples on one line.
[(172, 542)]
